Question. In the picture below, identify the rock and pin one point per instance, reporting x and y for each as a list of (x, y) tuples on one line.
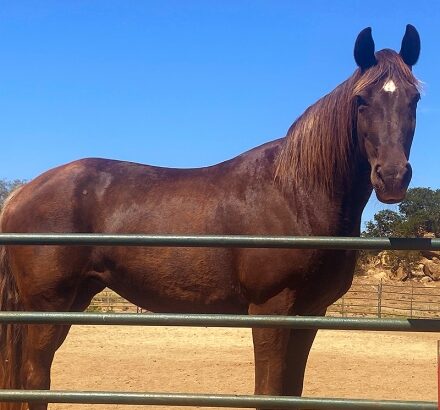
[(376, 274), (380, 275), (401, 274), (426, 270), (430, 254), (385, 259), (432, 270), (426, 279), (425, 261), (436, 260), (418, 272)]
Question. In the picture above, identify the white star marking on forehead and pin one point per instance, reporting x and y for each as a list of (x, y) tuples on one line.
[(389, 86)]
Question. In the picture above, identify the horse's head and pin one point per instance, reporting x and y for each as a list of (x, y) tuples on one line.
[(386, 95)]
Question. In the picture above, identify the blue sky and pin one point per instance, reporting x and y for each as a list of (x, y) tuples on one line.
[(189, 83)]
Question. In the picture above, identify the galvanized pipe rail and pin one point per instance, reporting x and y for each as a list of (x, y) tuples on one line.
[(224, 241), (241, 241), (209, 400), (221, 320)]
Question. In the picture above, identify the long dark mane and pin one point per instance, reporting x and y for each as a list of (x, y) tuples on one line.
[(318, 146)]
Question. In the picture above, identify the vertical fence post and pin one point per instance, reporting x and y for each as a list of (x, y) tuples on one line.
[(379, 299), (438, 374), (411, 302), (342, 306)]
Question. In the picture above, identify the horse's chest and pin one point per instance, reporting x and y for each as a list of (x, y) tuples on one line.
[(318, 277), (327, 283)]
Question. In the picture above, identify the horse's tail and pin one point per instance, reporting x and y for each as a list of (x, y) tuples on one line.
[(11, 335)]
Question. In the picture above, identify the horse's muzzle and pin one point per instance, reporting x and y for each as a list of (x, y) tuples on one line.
[(391, 181)]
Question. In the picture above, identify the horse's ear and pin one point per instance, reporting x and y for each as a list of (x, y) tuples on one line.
[(410, 49), (364, 49)]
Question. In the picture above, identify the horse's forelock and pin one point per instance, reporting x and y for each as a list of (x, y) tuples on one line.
[(389, 65)]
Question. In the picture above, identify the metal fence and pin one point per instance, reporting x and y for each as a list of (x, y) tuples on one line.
[(388, 300), (170, 399), (362, 300)]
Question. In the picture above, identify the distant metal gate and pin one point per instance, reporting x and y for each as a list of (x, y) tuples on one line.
[(211, 400)]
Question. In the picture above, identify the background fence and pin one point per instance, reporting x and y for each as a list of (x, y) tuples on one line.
[(362, 300), (389, 300)]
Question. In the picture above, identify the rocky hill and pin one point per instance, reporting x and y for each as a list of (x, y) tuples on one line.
[(425, 268)]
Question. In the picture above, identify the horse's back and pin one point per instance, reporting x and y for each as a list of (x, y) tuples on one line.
[(106, 196), (79, 196)]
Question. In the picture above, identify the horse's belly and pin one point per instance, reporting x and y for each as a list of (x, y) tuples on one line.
[(177, 279)]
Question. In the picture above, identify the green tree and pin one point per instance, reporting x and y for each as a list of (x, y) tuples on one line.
[(385, 223), (420, 211), (6, 187)]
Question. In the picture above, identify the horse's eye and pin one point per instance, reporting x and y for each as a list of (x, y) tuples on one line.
[(361, 102)]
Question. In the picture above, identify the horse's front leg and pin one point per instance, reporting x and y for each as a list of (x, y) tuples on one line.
[(280, 354), (271, 346), (300, 343)]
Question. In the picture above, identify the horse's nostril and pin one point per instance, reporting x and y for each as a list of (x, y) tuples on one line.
[(396, 172), (406, 173), (378, 171), (402, 171)]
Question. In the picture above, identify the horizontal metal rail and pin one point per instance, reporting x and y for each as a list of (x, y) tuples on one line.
[(208, 400), (204, 320), (213, 320), (227, 241)]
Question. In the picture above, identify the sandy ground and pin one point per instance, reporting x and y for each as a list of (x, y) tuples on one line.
[(399, 366)]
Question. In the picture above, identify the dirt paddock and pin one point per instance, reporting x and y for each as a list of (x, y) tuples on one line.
[(400, 366)]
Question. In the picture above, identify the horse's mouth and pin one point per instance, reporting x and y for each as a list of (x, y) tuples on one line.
[(389, 196)]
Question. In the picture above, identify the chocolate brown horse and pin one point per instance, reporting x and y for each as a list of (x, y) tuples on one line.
[(315, 181)]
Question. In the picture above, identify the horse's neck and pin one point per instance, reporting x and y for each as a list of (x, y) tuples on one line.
[(354, 201), (334, 213), (341, 209), (354, 196)]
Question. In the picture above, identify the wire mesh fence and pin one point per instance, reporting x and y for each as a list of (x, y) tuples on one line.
[(362, 300), (388, 300)]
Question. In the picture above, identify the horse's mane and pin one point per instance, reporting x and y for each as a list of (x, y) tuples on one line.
[(319, 145)]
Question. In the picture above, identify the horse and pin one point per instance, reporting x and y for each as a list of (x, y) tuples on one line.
[(314, 181)]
